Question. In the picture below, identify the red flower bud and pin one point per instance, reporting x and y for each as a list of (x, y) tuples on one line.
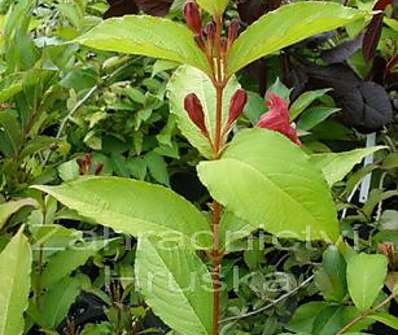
[(238, 102), (192, 16), (200, 41), (194, 108), (277, 118), (211, 32), (233, 31)]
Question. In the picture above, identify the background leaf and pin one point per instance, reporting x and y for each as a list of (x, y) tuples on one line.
[(331, 277), (335, 166), (314, 116), (385, 318), (304, 101), (365, 278), (15, 268), (56, 302), (11, 207), (64, 262)]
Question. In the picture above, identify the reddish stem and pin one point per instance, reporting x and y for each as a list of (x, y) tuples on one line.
[(216, 254), (216, 263)]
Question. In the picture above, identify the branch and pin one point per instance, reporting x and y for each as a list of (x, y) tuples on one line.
[(272, 304)]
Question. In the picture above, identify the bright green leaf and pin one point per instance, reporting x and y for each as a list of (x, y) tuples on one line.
[(335, 166), (286, 26), (132, 207), (176, 285), (214, 7), (188, 80), (15, 268), (392, 23), (149, 36), (365, 278), (268, 181)]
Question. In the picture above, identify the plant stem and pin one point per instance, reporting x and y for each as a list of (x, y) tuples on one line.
[(364, 314), (216, 255), (216, 271)]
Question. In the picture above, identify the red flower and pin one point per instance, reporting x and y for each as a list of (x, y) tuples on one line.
[(277, 118)]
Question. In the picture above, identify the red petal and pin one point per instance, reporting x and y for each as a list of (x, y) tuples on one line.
[(277, 118)]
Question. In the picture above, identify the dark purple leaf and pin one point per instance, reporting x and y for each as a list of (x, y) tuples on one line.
[(365, 105), (120, 8), (373, 33), (378, 70), (394, 9), (372, 37), (343, 51), (126, 7), (155, 7), (252, 10)]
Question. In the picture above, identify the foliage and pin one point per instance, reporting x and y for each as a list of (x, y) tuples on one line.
[(136, 197)]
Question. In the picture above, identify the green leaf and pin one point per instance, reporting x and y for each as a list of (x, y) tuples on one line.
[(176, 285), (286, 26), (69, 170), (10, 86), (232, 229), (280, 89), (157, 168), (15, 268), (365, 278), (305, 315), (331, 277), (214, 7), (334, 317), (392, 23), (56, 302), (383, 317), (304, 101), (10, 133), (11, 207), (37, 144), (314, 116), (149, 36), (255, 107), (133, 207), (268, 181), (187, 80), (64, 262), (335, 166)]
